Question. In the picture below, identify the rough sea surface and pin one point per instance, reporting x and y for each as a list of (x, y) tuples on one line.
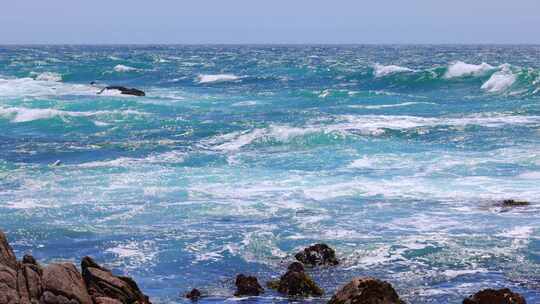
[(239, 156)]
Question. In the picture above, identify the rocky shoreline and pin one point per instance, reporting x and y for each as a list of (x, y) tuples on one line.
[(28, 282)]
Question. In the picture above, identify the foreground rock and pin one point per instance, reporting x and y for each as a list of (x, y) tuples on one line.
[(105, 287), (27, 282), (247, 286), (296, 283), (316, 255), (492, 296), (124, 90), (366, 291)]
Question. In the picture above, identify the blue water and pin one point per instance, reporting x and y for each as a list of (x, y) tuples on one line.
[(396, 156)]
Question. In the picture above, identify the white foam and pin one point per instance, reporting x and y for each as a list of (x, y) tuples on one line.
[(214, 78), (380, 70), (396, 105), (22, 87), (49, 76), (462, 69), (500, 81), (124, 68)]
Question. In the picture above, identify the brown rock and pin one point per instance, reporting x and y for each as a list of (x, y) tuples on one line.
[(7, 257), (103, 284), (62, 282), (318, 254), (247, 286), (103, 300), (492, 296), (366, 291), (8, 285)]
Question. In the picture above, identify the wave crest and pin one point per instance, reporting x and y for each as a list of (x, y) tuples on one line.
[(214, 78)]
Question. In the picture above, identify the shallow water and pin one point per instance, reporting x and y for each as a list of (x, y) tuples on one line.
[(241, 155)]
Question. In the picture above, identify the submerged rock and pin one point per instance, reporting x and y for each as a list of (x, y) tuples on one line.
[(103, 284), (318, 254), (296, 283), (124, 90), (492, 296), (194, 294), (247, 286), (366, 291)]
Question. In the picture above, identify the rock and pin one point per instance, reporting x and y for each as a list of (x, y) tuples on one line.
[(492, 296), (103, 300), (7, 257), (8, 286), (124, 90), (62, 283), (102, 283), (366, 291), (29, 279), (513, 203), (318, 254), (247, 286), (296, 283), (194, 294)]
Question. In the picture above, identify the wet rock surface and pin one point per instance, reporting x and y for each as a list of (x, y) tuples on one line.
[(194, 294), (317, 255), (295, 282), (514, 203), (492, 296), (247, 286), (366, 291)]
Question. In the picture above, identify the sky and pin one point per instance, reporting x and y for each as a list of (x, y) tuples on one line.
[(270, 21)]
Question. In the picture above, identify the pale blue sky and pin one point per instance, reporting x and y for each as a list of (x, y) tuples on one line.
[(271, 21)]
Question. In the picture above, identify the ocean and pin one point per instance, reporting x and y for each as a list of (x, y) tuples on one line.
[(397, 156)]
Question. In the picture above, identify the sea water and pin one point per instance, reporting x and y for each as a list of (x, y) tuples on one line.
[(239, 156)]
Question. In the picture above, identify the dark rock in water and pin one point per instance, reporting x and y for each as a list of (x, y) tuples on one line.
[(194, 294), (513, 203), (124, 90), (366, 291), (107, 287), (62, 283), (318, 254), (247, 286), (492, 296), (296, 283)]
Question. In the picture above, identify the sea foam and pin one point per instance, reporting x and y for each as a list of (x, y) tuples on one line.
[(124, 68), (380, 70), (214, 78), (462, 69), (500, 81)]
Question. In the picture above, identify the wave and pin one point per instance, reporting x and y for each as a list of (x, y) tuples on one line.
[(20, 114), (124, 68), (215, 78), (462, 69), (500, 81), (397, 105), (366, 125), (20, 87), (380, 70)]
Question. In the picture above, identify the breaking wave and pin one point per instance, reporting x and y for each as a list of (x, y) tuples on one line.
[(215, 78), (380, 70)]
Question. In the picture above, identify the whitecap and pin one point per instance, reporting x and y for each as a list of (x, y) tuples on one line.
[(462, 69), (500, 81), (215, 78), (18, 87), (20, 114), (380, 70), (48, 76), (124, 68)]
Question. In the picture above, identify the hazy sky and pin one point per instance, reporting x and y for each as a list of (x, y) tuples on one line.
[(270, 21)]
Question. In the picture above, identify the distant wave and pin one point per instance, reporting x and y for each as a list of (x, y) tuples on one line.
[(21, 114), (214, 78), (396, 105), (380, 70), (124, 68), (462, 69)]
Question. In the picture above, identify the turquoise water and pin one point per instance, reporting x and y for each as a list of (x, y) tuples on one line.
[(397, 156)]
